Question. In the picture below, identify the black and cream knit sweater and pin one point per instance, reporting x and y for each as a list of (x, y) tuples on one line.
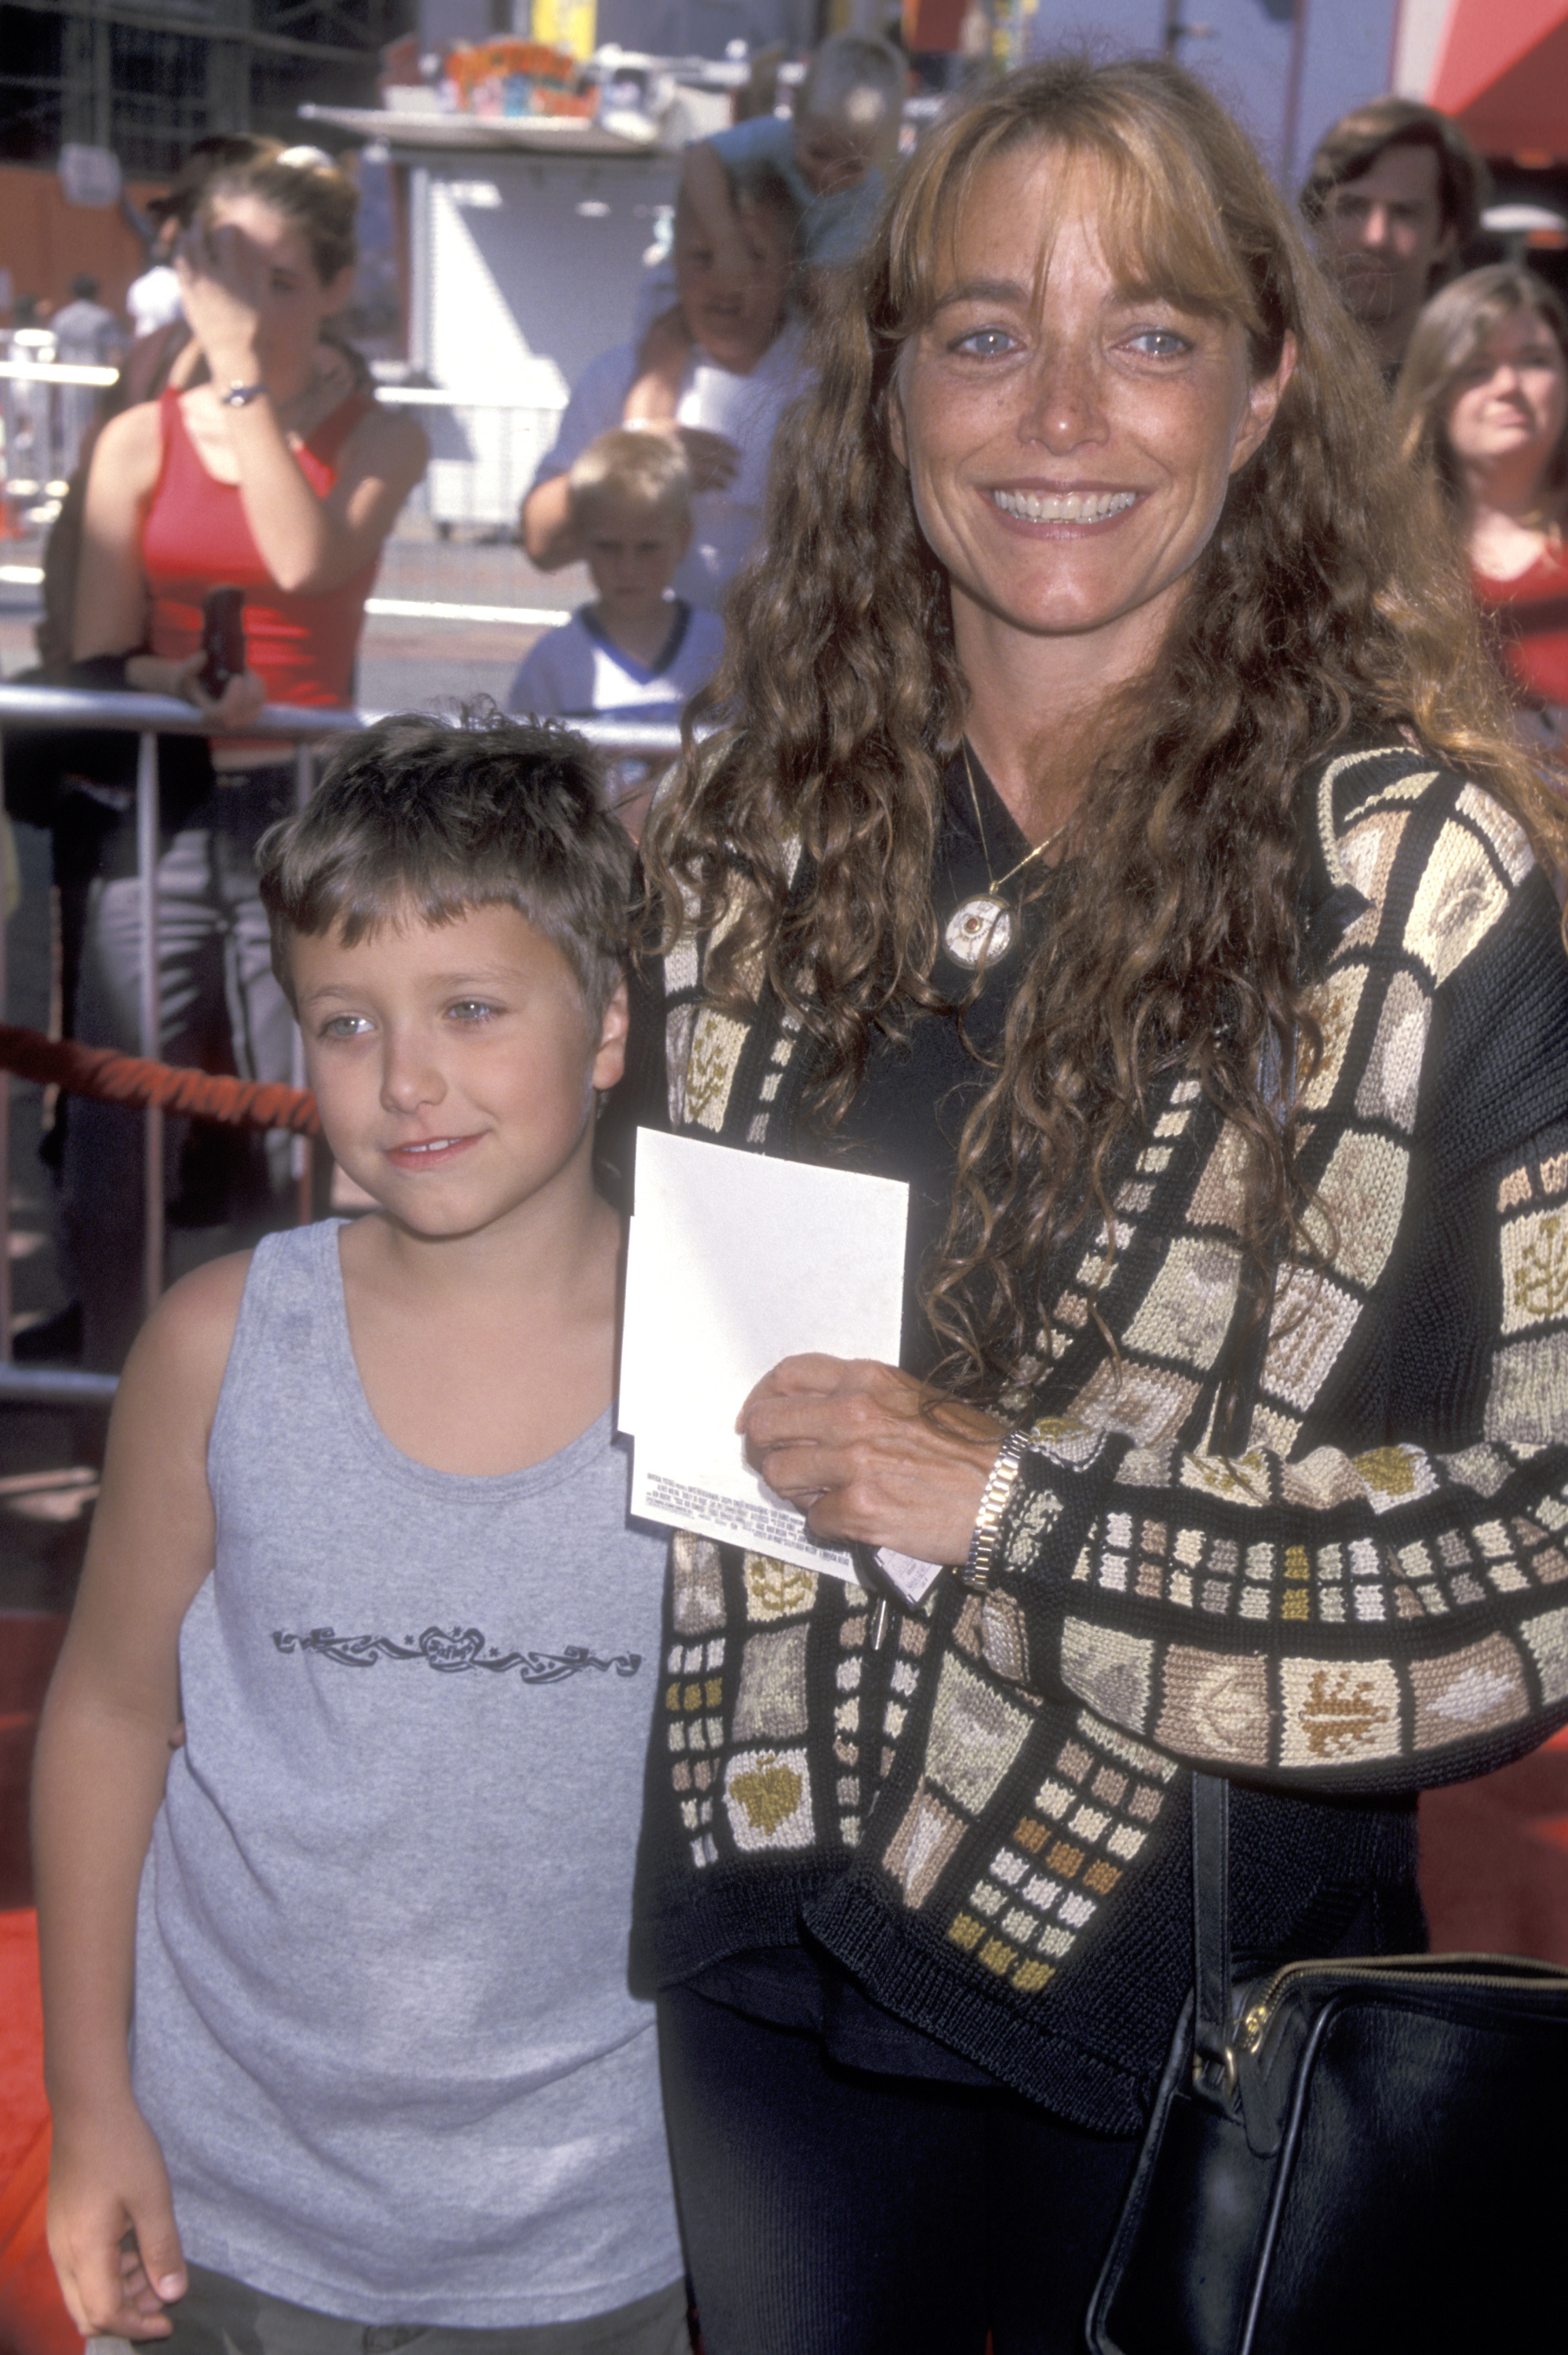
[(984, 1822)]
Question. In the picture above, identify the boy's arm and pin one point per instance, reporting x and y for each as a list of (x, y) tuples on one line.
[(662, 359), (706, 188), (545, 527), (110, 1720)]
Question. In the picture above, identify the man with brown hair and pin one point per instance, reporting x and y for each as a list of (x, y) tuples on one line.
[(1393, 194)]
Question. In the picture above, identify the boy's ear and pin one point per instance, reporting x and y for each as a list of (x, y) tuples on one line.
[(610, 1056)]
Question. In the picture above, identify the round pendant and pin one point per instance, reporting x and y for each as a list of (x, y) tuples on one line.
[(978, 929)]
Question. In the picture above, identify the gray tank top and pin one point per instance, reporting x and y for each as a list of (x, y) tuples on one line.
[(382, 2025)]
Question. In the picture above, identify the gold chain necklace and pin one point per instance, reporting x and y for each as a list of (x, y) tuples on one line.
[(981, 929)]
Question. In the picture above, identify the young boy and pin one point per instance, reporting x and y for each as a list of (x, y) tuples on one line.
[(338, 1787), (831, 152), (638, 652)]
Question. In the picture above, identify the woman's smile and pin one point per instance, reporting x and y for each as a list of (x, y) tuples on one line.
[(1076, 508)]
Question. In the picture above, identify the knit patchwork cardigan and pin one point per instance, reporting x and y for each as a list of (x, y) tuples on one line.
[(985, 1820)]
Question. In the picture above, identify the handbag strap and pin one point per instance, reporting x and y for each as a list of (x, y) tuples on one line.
[(1212, 1929), (1214, 2067)]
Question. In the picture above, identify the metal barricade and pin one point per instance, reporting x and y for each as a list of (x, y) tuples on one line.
[(484, 453), (43, 414), (149, 717)]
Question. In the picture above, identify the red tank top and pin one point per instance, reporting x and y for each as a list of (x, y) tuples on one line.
[(195, 537), (1529, 618)]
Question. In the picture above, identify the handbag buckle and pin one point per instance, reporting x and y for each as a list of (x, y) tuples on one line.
[(1224, 2063)]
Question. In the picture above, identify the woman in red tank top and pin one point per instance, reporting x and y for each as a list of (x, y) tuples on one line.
[(267, 478), (278, 477), (1483, 398)]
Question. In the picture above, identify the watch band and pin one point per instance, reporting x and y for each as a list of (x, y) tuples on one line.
[(975, 1571), (240, 396)]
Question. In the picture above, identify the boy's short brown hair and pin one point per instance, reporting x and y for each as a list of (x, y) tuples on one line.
[(646, 470), (432, 819)]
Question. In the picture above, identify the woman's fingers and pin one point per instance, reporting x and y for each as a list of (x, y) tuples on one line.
[(224, 257), (809, 1374), (221, 284), (859, 1448), (242, 697)]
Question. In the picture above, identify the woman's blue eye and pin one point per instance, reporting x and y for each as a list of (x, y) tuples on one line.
[(1160, 343), (985, 343)]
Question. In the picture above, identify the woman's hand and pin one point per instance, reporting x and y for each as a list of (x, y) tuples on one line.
[(223, 277), (112, 2228), (241, 699), (857, 1447)]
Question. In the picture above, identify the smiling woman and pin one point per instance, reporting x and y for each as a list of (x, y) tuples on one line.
[(1114, 835)]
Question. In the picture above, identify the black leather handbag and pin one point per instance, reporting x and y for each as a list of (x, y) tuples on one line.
[(1346, 2155)]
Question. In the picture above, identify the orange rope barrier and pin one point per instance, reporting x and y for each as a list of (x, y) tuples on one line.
[(132, 1080)]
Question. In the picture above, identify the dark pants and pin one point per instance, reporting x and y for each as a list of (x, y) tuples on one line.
[(220, 2316), (830, 2211), (220, 1009)]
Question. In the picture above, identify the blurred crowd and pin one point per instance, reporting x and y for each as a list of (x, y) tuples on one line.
[(241, 448)]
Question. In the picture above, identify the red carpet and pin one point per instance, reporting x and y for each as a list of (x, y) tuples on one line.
[(32, 2319), (30, 1641)]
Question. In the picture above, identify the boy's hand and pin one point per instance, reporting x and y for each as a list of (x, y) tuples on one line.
[(713, 458), (111, 2226), (241, 699)]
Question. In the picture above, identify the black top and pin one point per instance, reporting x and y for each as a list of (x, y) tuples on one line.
[(889, 1131), (914, 1097)]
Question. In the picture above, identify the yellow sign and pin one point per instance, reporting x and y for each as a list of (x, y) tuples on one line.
[(570, 24)]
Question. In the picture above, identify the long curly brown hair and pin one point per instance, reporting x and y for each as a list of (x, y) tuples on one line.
[(1330, 605)]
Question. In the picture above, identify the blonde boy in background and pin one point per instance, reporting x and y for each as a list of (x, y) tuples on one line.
[(638, 651)]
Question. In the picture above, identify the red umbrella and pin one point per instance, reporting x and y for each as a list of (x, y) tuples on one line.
[(1502, 70)]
